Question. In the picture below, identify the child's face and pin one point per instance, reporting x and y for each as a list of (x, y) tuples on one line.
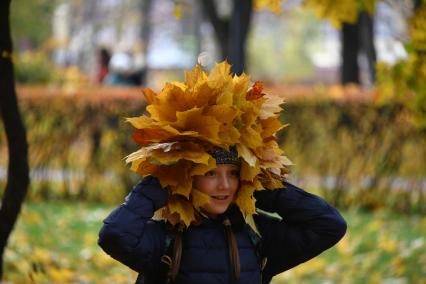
[(221, 184)]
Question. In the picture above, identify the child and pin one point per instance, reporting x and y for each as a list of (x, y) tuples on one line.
[(210, 160)]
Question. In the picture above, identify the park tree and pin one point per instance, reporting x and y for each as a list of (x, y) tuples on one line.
[(354, 19), (231, 31), (405, 81), (31, 21), (18, 170), (356, 38)]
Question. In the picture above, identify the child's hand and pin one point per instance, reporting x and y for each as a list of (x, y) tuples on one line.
[(151, 188)]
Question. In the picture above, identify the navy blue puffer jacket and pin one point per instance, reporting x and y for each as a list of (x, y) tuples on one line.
[(308, 226)]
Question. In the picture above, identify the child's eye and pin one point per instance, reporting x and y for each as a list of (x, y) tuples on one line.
[(235, 173), (210, 173)]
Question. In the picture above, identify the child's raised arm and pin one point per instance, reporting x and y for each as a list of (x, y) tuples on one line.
[(129, 235), (309, 226)]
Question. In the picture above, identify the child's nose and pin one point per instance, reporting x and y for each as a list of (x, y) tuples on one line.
[(224, 182)]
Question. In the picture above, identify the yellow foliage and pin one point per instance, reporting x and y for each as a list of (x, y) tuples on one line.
[(272, 5), (418, 28), (360, 257), (60, 275), (187, 119), (405, 81), (178, 12), (339, 12)]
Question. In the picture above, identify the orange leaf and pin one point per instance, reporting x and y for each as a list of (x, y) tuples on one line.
[(255, 92), (149, 95), (270, 126), (147, 136), (145, 168)]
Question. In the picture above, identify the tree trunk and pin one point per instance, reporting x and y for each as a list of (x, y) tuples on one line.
[(356, 38), (220, 26), (366, 38), (146, 6), (231, 34), (238, 30), (417, 4), (18, 171), (350, 68)]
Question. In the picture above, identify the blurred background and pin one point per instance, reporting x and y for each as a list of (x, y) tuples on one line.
[(354, 77)]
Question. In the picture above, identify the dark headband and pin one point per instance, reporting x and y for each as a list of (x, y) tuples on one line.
[(223, 156)]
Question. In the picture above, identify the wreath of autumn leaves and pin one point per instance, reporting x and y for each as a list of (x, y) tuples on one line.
[(186, 119)]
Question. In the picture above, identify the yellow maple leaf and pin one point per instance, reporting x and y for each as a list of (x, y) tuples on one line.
[(286, 161), (176, 177), (171, 100), (201, 169), (270, 179), (180, 206), (270, 126), (158, 134), (246, 154), (271, 106), (144, 167), (176, 151), (269, 151), (206, 126), (195, 77), (149, 95), (223, 113), (199, 199), (247, 172), (140, 122), (251, 136), (226, 115), (245, 199), (241, 85), (225, 98), (220, 75), (138, 155)]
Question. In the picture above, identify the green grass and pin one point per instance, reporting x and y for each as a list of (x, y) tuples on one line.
[(55, 242)]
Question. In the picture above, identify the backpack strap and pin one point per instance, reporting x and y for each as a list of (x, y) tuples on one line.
[(162, 275), (256, 240), (167, 258)]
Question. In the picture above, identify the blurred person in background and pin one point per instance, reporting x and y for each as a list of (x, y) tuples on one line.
[(104, 57), (121, 71)]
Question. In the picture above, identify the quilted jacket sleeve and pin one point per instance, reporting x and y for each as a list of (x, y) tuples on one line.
[(308, 227), (129, 235)]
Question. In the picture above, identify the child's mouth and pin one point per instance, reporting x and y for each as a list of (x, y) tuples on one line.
[(220, 197)]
